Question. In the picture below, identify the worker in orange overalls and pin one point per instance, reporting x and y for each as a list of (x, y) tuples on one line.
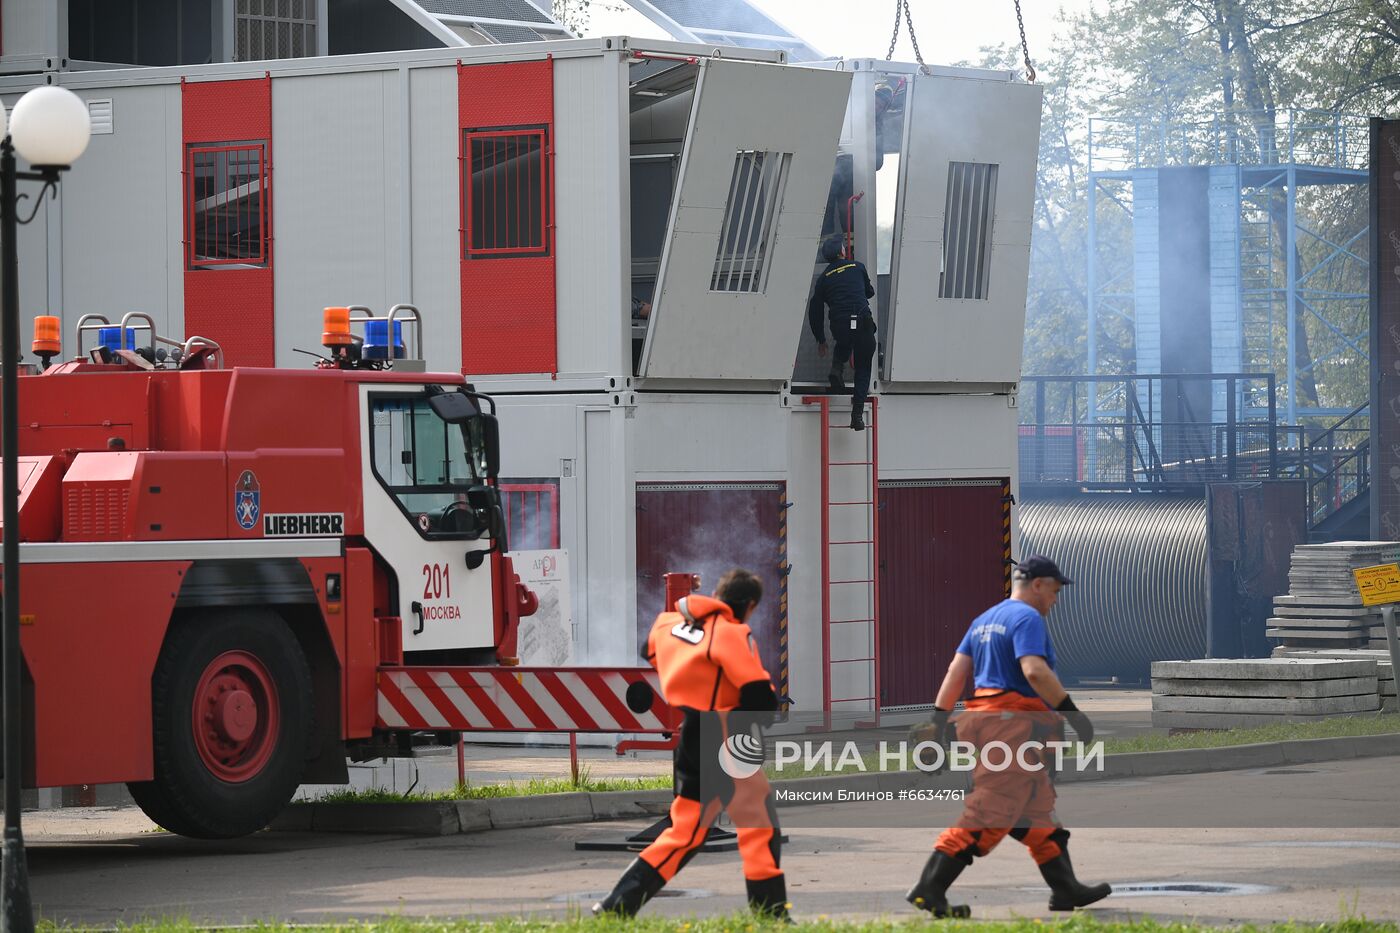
[(710, 670), (1016, 698)]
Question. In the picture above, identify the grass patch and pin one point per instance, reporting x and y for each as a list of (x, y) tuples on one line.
[(744, 923), (585, 783), (1379, 724)]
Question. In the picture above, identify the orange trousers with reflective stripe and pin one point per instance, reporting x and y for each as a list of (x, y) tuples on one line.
[(1013, 801), (755, 822)]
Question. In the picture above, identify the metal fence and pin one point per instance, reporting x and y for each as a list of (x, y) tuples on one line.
[(1152, 429), (1135, 431), (1321, 138)]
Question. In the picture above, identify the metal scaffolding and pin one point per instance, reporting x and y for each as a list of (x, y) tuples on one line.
[(1289, 244)]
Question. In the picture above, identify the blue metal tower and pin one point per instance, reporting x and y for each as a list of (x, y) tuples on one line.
[(1281, 200)]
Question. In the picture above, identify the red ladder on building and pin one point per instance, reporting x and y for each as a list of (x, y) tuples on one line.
[(850, 563)]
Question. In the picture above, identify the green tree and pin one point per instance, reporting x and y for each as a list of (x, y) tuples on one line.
[(1249, 62)]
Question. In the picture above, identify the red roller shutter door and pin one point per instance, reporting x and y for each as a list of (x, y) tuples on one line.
[(942, 562)]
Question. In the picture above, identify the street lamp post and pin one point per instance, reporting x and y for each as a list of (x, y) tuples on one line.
[(50, 127)]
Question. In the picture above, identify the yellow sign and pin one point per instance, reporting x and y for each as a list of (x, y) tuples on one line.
[(1378, 585)]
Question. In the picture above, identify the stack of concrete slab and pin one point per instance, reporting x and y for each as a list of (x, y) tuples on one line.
[(1230, 694), (1322, 608), (1385, 673)]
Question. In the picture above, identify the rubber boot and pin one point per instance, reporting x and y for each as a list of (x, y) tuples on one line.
[(858, 419), (638, 884), (1066, 891), (931, 891), (769, 898)]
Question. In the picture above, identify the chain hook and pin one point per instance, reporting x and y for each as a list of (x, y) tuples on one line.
[(1025, 49), (901, 7), (894, 39)]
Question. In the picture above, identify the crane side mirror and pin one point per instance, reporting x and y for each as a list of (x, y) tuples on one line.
[(453, 407), (490, 443)]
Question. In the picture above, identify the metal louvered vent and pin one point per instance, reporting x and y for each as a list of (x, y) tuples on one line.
[(96, 512), (967, 230), (520, 11), (272, 29), (509, 33), (100, 113), (728, 16), (725, 22), (750, 214)]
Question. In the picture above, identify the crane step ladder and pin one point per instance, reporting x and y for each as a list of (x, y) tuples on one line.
[(850, 527)]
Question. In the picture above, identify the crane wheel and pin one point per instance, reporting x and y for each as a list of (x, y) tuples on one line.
[(232, 714)]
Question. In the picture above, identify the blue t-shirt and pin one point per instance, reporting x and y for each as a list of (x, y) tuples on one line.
[(999, 638)]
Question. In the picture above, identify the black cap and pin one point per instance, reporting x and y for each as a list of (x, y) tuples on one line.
[(1037, 566), (832, 247)]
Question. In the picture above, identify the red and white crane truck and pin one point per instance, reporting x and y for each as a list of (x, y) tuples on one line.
[(235, 578)]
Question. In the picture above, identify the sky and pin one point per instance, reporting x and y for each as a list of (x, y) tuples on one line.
[(948, 30)]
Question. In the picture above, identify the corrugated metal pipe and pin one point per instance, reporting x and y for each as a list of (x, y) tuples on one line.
[(1139, 563)]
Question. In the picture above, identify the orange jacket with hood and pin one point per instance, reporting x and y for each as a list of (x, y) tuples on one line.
[(707, 659)]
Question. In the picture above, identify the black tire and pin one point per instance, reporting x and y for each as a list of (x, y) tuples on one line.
[(212, 791)]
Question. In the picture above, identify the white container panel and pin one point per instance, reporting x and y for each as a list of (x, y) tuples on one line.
[(335, 179), (435, 214), (123, 211), (591, 193), (966, 120), (698, 437), (947, 436)]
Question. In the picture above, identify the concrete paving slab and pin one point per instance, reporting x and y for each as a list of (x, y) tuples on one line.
[(1168, 719), (1302, 706), (1326, 611), (1182, 686), (1343, 637), (1319, 623), (1262, 669), (1337, 601)]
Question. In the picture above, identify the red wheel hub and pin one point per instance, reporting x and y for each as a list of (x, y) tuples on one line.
[(235, 717)]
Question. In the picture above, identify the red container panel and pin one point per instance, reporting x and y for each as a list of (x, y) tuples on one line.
[(942, 562), (708, 529)]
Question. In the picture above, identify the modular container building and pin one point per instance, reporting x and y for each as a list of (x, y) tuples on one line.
[(522, 196)]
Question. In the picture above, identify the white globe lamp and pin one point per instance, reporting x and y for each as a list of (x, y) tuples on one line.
[(50, 127)]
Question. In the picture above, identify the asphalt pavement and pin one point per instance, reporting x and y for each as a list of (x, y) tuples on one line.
[(1309, 843)]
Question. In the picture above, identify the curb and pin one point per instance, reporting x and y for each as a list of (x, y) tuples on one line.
[(450, 817)]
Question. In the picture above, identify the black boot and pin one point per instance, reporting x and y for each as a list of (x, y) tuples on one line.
[(1066, 891), (857, 419), (769, 897), (836, 383), (931, 891), (638, 884)]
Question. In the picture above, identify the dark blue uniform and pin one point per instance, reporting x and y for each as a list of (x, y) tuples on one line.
[(844, 287)]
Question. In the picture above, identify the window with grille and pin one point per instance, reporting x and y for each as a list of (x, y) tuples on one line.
[(268, 29), (750, 220), (967, 230), (532, 513), (226, 204), (507, 193)]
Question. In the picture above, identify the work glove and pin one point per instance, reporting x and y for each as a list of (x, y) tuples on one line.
[(935, 731), (758, 704), (1080, 722)]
